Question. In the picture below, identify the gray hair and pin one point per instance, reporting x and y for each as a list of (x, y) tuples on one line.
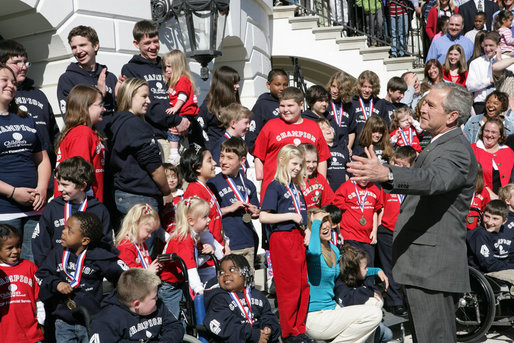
[(458, 99)]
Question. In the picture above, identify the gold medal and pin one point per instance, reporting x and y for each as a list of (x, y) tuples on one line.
[(362, 221), (471, 220), (302, 227), (247, 218), (70, 304)]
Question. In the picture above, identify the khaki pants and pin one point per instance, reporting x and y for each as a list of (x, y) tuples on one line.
[(248, 253), (344, 324)]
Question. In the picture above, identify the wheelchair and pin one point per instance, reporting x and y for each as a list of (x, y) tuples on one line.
[(192, 310), (488, 303)]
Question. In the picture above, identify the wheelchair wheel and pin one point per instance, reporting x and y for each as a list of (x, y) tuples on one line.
[(476, 309)]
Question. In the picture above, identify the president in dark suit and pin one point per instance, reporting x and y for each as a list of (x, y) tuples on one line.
[(429, 242), (469, 9)]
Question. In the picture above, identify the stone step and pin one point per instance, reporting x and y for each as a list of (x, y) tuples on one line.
[(333, 32), (375, 53), (352, 43), (302, 23), (284, 12), (399, 63)]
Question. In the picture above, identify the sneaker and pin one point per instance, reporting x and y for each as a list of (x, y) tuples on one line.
[(174, 158)]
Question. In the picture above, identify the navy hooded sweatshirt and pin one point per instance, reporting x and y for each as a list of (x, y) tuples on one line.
[(151, 72), (224, 319), (75, 75), (116, 323), (266, 108), (134, 155), (35, 103), (100, 262), (47, 234)]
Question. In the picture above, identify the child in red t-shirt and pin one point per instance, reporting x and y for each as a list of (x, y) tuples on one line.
[(197, 168), (137, 226), (181, 93), (19, 307), (480, 198), (360, 202), (192, 219), (403, 157), (290, 128), (405, 130), (316, 191)]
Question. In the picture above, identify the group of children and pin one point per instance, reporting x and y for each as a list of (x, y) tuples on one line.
[(300, 156)]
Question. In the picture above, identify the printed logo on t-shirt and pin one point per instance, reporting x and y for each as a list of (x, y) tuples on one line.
[(215, 326), (252, 126), (484, 251), (298, 134)]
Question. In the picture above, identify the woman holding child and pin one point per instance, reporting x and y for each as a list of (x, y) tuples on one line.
[(136, 165), (327, 320), (25, 164)]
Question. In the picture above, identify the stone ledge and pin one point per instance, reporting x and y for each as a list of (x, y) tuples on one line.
[(399, 63), (352, 43), (284, 12), (333, 32), (302, 23), (375, 53)]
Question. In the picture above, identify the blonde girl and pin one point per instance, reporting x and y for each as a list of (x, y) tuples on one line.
[(181, 87), (375, 133), (137, 226), (84, 109), (192, 219), (283, 211), (405, 130)]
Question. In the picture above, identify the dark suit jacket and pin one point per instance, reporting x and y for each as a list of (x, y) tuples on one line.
[(469, 9), (429, 242)]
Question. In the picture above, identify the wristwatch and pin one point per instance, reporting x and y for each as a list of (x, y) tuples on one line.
[(390, 176)]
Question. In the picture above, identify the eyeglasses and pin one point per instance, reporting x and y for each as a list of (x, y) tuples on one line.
[(20, 63)]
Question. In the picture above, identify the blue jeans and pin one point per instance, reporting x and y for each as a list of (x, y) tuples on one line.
[(65, 332), (171, 296), (26, 226), (125, 201), (383, 334), (399, 26), (172, 137)]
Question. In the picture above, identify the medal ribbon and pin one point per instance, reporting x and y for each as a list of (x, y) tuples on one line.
[(248, 296), (404, 137), (67, 209), (338, 115), (296, 198), (363, 202), (334, 237), (142, 254), (238, 195), (227, 135), (365, 113), (212, 197), (401, 197), (75, 279)]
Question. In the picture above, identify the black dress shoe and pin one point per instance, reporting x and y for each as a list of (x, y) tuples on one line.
[(399, 310)]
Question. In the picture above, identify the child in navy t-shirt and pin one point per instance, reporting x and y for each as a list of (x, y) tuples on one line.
[(237, 197)]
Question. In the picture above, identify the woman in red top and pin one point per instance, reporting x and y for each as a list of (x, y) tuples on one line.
[(497, 160), (443, 8), (455, 68), (84, 109)]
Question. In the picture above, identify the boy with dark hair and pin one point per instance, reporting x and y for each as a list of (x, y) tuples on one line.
[(336, 164), (133, 312), (30, 99), (290, 128), (236, 121), (72, 275), (490, 244), (267, 105), (74, 177), (396, 88), (147, 66), (403, 157), (478, 25), (237, 197), (318, 98), (84, 46)]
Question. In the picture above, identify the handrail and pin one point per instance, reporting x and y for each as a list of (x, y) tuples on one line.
[(355, 16)]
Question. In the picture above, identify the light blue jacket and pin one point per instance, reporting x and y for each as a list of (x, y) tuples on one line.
[(473, 125)]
